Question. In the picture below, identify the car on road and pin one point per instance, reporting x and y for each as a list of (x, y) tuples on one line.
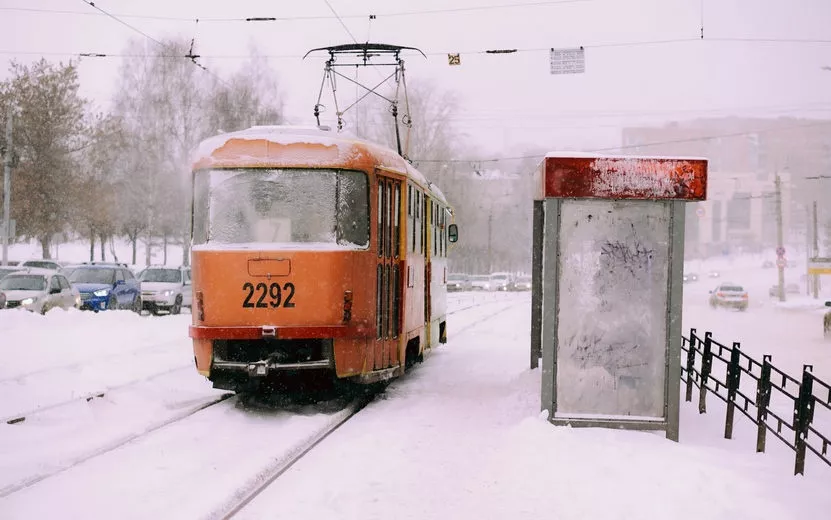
[(690, 277), (38, 290), (714, 274), (165, 289), (500, 281), (480, 282), (521, 283), (768, 264), (729, 295), (106, 287), (458, 282)]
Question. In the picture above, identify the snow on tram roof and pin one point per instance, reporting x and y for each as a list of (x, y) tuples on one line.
[(348, 146)]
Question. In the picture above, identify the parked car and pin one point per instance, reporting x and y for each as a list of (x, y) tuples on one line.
[(768, 264), (458, 282), (790, 288), (480, 282), (67, 270), (38, 290), (521, 283), (165, 289), (8, 269), (106, 286), (729, 295), (43, 264), (826, 321), (500, 281)]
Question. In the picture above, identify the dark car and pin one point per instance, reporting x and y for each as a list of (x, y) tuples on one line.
[(826, 321), (106, 287)]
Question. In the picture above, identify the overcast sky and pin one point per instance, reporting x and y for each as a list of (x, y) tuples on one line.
[(508, 102)]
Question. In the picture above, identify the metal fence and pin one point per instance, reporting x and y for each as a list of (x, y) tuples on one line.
[(761, 392)]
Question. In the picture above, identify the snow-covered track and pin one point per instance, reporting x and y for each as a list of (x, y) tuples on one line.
[(110, 446), (258, 483), (166, 345), (89, 396)]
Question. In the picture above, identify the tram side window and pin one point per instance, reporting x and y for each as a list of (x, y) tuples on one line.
[(380, 211), (411, 220), (396, 217), (352, 212)]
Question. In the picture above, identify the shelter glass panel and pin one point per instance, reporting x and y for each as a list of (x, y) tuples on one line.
[(613, 285)]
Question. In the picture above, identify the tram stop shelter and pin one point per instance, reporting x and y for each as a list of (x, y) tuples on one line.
[(608, 262)]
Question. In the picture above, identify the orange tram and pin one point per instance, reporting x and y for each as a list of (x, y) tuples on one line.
[(314, 251)]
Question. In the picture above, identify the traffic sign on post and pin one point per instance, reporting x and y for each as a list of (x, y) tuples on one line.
[(781, 262), (780, 251)]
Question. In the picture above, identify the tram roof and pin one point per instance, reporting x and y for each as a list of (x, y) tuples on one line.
[(301, 146)]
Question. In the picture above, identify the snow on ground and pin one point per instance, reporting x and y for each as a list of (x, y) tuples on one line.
[(460, 436)]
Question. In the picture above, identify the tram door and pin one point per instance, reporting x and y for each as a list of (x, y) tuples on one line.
[(388, 274)]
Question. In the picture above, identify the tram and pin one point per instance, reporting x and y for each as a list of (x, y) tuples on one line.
[(314, 251)]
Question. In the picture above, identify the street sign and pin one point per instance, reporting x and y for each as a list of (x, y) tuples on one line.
[(780, 251), (454, 59), (781, 262), (568, 61)]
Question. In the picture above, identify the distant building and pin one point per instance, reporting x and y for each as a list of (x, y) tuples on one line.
[(745, 154)]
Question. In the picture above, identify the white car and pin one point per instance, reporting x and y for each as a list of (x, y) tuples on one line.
[(166, 289), (480, 282), (38, 290)]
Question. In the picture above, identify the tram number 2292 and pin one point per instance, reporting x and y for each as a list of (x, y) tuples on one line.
[(269, 295)]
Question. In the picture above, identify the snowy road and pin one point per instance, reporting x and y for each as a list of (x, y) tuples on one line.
[(458, 437)]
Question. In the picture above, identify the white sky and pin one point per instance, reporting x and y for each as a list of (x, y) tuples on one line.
[(509, 103)]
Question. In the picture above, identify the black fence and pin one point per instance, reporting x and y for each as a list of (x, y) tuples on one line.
[(761, 392)]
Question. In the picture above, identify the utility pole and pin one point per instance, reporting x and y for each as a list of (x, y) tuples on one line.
[(815, 252), (780, 247), (490, 224), (7, 188)]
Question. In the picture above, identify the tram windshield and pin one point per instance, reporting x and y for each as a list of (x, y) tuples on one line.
[(281, 206)]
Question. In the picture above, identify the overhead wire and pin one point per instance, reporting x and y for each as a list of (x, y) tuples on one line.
[(308, 17), (632, 146), (190, 56)]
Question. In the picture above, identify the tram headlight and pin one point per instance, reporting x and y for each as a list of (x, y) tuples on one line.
[(27, 301), (101, 292)]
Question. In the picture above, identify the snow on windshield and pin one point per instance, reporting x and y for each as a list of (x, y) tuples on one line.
[(161, 275), (93, 276), (281, 206), (27, 282)]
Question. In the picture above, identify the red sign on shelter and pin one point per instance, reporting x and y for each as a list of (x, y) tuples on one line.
[(622, 177)]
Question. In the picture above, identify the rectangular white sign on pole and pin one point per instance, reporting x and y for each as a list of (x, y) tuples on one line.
[(568, 61)]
